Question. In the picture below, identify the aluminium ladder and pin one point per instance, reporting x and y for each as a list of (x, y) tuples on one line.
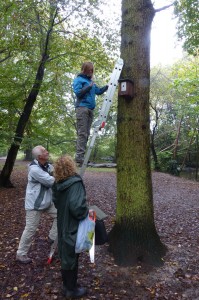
[(100, 123)]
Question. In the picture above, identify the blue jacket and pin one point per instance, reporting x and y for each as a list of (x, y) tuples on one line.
[(86, 94)]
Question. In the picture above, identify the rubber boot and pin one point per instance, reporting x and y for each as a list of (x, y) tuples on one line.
[(64, 281), (70, 290)]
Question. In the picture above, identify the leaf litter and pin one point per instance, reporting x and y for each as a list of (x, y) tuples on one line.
[(176, 211)]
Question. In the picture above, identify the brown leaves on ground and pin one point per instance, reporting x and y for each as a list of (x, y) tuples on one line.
[(176, 207)]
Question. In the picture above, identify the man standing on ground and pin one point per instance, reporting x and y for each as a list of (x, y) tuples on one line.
[(38, 200)]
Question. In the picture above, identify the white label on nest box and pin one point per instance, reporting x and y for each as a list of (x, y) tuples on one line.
[(123, 87)]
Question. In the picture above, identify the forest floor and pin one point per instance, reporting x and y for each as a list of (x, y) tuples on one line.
[(176, 205)]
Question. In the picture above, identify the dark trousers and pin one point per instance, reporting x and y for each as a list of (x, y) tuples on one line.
[(69, 278)]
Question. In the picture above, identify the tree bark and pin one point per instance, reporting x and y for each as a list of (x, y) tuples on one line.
[(23, 120), (134, 236), (177, 140)]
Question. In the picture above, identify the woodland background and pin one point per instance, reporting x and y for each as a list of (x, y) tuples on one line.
[(32, 37), (176, 217)]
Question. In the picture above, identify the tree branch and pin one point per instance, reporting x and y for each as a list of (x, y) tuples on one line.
[(5, 58), (66, 53), (163, 8), (65, 18)]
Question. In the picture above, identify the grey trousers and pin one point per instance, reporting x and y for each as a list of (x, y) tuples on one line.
[(84, 117), (32, 222)]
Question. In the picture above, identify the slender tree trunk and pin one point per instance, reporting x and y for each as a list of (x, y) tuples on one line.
[(23, 120), (153, 151), (28, 154), (134, 234), (197, 157), (188, 149), (177, 140), (154, 154)]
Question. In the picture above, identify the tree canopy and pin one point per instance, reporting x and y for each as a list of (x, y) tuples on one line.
[(188, 26), (43, 46)]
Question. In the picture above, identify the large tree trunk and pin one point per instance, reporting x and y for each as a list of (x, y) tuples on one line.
[(134, 234)]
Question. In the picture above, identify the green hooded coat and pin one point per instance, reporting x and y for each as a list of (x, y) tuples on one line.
[(69, 197)]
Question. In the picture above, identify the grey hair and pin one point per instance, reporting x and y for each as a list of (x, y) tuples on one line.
[(36, 151)]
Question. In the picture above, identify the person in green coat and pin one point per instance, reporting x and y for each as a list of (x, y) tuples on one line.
[(69, 197)]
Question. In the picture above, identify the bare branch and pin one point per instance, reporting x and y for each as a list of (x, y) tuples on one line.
[(172, 145), (66, 53), (163, 8), (5, 58), (65, 18)]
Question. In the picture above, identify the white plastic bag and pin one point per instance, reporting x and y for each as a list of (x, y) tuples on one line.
[(85, 235)]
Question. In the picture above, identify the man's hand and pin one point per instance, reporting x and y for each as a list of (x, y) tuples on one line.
[(92, 214)]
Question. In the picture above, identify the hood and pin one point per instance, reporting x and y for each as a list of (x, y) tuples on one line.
[(66, 183)]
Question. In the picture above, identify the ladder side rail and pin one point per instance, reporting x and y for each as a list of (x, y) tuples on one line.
[(111, 90), (88, 153), (112, 85), (104, 114), (106, 104)]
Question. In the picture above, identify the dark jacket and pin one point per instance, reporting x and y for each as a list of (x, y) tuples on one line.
[(85, 93), (69, 197)]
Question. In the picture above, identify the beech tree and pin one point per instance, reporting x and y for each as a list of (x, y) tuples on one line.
[(134, 235)]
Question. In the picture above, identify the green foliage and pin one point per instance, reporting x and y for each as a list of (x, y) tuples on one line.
[(167, 164), (188, 26), (104, 149), (164, 158), (172, 167), (174, 103), (186, 82), (77, 34)]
